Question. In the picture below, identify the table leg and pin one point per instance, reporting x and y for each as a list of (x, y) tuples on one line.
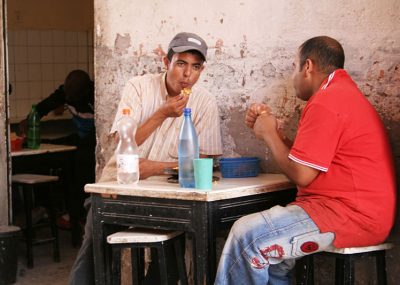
[(99, 244), (204, 246)]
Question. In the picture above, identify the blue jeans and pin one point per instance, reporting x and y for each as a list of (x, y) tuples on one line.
[(261, 248), (82, 272)]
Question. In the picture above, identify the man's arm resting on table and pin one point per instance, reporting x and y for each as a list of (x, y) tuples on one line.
[(300, 174), (149, 168)]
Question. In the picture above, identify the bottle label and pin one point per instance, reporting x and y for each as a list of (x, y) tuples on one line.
[(128, 163)]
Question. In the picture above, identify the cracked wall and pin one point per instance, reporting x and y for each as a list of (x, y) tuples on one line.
[(252, 45), (251, 50)]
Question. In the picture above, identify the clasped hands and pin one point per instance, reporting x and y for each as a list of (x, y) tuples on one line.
[(259, 117)]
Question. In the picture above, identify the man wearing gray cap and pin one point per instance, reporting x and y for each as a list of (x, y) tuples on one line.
[(157, 102)]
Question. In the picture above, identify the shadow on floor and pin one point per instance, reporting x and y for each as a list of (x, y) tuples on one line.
[(45, 270)]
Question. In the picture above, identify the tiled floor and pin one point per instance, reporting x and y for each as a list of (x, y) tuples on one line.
[(45, 271)]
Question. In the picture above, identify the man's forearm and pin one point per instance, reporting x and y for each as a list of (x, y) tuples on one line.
[(280, 152), (301, 175), (149, 168), (148, 127)]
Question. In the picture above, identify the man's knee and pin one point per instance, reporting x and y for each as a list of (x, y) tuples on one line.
[(244, 225)]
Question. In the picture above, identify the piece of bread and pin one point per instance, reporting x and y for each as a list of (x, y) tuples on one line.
[(186, 91)]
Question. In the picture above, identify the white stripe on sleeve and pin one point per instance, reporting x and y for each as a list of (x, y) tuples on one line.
[(312, 165)]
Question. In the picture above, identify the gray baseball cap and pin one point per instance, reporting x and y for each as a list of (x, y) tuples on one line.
[(187, 41)]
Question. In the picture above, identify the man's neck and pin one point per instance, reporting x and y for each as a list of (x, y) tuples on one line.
[(317, 82)]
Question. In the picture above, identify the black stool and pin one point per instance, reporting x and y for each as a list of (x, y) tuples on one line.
[(344, 267), (28, 184), (137, 240)]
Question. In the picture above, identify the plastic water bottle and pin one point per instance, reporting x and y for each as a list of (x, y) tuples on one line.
[(33, 129), (127, 152), (188, 149)]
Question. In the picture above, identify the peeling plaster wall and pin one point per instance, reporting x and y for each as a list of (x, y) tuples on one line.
[(251, 50)]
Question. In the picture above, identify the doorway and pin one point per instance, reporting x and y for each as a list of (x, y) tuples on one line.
[(43, 41)]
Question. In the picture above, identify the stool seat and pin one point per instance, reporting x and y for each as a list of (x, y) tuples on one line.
[(33, 178), (159, 241), (141, 236), (353, 250), (344, 263)]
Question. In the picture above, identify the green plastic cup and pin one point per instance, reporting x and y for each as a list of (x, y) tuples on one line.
[(203, 170)]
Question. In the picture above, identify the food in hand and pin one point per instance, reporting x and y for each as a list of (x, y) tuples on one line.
[(262, 109), (186, 91)]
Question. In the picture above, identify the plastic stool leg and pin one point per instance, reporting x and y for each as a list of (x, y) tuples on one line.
[(381, 267)]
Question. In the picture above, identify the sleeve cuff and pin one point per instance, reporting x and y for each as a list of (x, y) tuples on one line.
[(309, 164)]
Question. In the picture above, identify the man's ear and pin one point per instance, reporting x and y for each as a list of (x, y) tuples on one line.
[(166, 62), (309, 67)]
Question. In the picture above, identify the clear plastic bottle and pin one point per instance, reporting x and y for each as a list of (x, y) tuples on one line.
[(127, 152), (33, 129), (188, 150)]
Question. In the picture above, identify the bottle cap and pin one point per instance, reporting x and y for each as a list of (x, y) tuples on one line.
[(187, 111), (126, 111)]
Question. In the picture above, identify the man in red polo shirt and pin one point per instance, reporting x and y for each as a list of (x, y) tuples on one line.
[(340, 161)]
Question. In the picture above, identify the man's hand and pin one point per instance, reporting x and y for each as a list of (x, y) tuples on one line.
[(265, 126), (174, 106), (149, 168), (255, 110)]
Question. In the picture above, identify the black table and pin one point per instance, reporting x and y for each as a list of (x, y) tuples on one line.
[(154, 203)]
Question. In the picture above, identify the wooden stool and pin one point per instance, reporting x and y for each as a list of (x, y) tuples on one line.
[(137, 240), (28, 183), (344, 267)]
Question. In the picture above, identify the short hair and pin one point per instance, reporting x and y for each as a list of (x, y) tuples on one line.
[(191, 51), (77, 85), (325, 52)]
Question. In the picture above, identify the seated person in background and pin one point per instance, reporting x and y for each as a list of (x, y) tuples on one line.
[(157, 104), (77, 94), (341, 162)]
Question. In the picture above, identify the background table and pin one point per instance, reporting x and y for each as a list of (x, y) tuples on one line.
[(50, 157), (154, 203)]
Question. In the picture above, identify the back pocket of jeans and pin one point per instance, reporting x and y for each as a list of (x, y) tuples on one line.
[(306, 243)]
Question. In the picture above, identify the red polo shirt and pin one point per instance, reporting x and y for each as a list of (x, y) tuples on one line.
[(341, 135)]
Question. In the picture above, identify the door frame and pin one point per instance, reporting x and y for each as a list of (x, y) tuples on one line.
[(5, 158)]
